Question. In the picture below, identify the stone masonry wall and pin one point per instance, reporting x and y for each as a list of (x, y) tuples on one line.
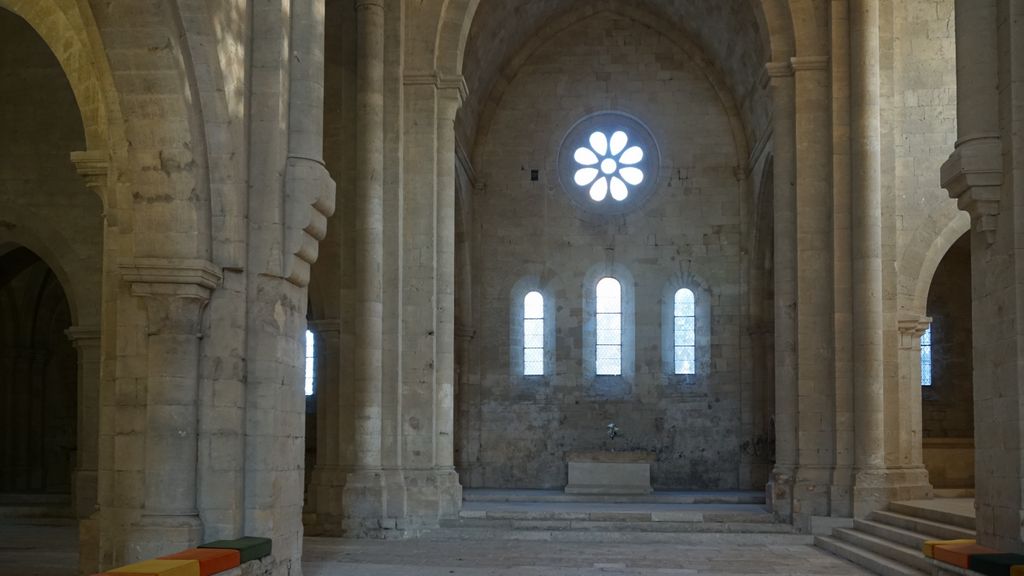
[(519, 430)]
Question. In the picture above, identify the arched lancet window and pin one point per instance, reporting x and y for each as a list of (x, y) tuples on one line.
[(926, 357), (684, 332), (533, 334), (310, 363), (608, 361)]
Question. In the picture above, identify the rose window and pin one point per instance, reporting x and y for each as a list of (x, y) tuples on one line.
[(608, 166)]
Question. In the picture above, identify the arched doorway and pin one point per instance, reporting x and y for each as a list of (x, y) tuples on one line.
[(947, 376), (38, 380)]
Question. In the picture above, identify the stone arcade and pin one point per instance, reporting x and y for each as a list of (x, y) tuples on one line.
[(774, 241)]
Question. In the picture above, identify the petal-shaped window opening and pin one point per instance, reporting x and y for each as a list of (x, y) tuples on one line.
[(585, 176), (631, 156), (585, 156), (599, 143), (632, 176), (618, 189), (618, 142), (599, 190)]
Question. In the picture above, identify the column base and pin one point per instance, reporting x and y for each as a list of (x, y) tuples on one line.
[(399, 503), (811, 495), (155, 535), (874, 489), (364, 502), (327, 515), (779, 494)]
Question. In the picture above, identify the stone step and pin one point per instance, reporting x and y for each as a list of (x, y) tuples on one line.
[(901, 536), (585, 525), (940, 516), (733, 497), (933, 529), (865, 558), (896, 552), (675, 516), (688, 538)]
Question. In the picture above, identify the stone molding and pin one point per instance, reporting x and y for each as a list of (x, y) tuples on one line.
[(809, 63), (324, 327), (440, 81), (911, 327), (93, 166), (83, 335), (172, 271), (779, 69), (973, 175)]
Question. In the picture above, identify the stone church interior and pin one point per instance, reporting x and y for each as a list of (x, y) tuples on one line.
[(511, 287)]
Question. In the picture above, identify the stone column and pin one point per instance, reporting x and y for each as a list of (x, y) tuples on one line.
[(814, 295), (911, 436), (328, 476), (175, 294), (988, 43), (450, 94), (866, 245), (780, 491), (86, 341), (364, 490)]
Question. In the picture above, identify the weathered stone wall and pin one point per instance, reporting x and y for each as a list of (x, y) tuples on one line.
[(519, 430), (949, 402)]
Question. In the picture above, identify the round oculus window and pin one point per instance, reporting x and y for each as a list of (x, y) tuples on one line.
[(608, 163)]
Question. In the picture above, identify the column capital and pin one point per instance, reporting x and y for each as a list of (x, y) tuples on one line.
[(800, 63), (973, 176), (175, 291), (911, 326), (361, 4)]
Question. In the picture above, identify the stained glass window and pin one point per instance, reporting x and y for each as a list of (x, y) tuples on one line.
[(684, 332), (533, 334), (926, 357), (609, 328)]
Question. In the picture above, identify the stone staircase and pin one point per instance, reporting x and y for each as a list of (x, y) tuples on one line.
[(680, 518), (888, 542)]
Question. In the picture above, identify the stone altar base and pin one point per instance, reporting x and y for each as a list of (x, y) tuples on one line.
[(609, 473)]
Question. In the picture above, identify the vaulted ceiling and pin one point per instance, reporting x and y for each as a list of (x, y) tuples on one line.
[(728, 32)]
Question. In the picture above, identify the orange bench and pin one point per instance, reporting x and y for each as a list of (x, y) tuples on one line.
[(959, 555)]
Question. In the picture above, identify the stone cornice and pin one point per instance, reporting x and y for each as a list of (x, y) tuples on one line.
[(778, 69)]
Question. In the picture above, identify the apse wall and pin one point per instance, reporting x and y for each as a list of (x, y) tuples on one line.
[(515, 431)]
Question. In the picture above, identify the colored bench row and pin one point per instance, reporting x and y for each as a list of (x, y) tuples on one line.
[(967, 554), (205, 560)]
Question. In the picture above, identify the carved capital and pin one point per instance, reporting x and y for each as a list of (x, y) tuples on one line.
[(911, 327), (973, 175), (175, 292)]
